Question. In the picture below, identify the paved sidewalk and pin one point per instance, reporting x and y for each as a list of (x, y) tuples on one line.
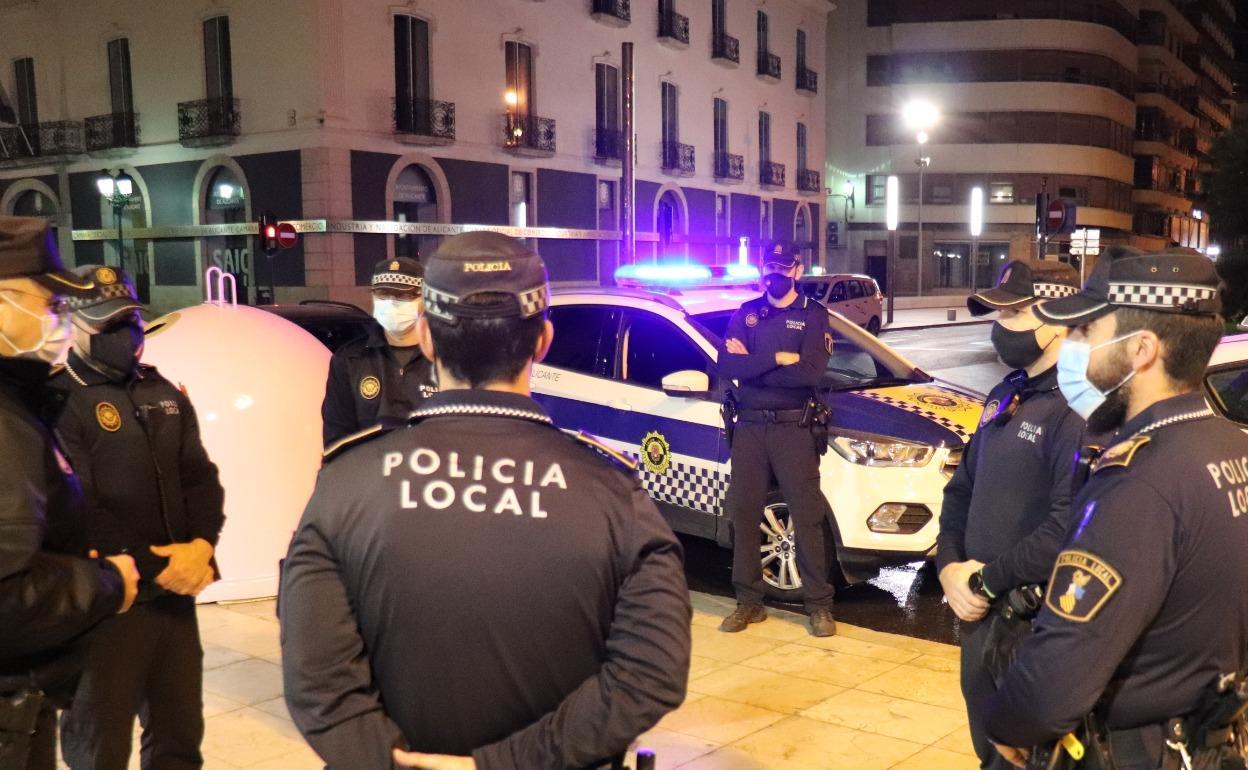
[(930, 317), (770, 698)]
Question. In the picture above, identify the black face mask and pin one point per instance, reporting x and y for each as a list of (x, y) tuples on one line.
[(778, 285), (114, 351), (1018, 350)]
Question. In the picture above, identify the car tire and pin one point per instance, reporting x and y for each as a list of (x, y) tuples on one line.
[(780, 579), (873, 326)]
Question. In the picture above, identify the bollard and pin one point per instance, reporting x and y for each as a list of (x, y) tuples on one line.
[(951, 315), (645, 759)]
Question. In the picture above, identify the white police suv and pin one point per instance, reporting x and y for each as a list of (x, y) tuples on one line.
[(1226, 379), (636, 367)]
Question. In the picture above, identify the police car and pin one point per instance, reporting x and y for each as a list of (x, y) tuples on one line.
[(1226, 379), (635, 366)]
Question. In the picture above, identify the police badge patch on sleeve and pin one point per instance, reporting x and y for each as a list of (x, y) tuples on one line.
[(1081, 585)]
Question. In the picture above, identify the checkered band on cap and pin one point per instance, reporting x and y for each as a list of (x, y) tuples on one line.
[(1159, 294), (533, 301), (401, 279), (102, 294), (438, 303), (1052, 290)]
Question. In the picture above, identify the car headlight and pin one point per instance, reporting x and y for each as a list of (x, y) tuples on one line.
[(881, 451)]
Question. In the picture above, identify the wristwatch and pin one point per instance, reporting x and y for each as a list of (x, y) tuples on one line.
[(976, 584)]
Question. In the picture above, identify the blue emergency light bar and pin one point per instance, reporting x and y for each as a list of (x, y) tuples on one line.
[(685, 275)]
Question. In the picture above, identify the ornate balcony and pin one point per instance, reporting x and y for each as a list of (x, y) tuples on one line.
[(608, 144), (674, 27), (424, 121), (726, 48), (110, 132), (33, 143), (808, 180), (529, 134), (209, 122), (618, 12), (771, 174), (808, 80), (678, 158), (768, 65), (729, 167)]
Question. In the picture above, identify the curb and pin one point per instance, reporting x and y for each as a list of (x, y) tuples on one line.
[(921, 327)]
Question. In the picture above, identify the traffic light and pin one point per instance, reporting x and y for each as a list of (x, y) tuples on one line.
[(268, 233)]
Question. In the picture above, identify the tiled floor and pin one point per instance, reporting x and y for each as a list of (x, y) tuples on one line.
[(770, 698)]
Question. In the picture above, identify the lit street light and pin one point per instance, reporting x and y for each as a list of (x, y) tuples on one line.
[(117, 190), (920, 116), (892, 217), (977, 229)]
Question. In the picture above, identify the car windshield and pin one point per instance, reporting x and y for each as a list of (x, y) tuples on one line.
[(858, 360)]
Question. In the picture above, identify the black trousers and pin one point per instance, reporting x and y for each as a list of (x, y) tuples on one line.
[(148, 663), (787, 451), (977, 686)]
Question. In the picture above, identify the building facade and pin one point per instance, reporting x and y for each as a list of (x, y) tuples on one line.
[(380, 127), (1108, 105)]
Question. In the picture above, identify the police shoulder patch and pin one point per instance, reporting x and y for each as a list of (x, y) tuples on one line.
[(620, 459), (1081, 585), (339, 447), (1121, 454)]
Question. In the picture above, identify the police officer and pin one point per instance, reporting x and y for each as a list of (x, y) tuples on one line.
[(383, 374), (1147, 605), (1006, 508), (152, 492), (776, 348), (479, 585), (52, 590)]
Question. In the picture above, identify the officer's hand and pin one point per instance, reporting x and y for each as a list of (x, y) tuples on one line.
[(188, 572), (433, 761), (967, 605), (736, 346), (787, 359), (1016, 757), (129, 578)]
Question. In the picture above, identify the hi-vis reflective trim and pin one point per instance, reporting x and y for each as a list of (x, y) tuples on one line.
[(948, 408)]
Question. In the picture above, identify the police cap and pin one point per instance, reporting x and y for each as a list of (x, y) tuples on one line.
[(113, 294), (398, 273), (1022, 281), (780, 253), (485, 263), (28, 250), (1165, 282)]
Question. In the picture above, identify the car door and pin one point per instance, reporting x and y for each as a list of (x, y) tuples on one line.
[(838, 299), (678, 439), (857, 303), (573, 383)]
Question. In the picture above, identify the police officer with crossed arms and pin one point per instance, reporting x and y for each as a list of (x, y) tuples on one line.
[(1147, 606), (382, 374), (479, 586)]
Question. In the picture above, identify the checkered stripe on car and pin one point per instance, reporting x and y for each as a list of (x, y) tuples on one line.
[(944, 422), (690, 486)]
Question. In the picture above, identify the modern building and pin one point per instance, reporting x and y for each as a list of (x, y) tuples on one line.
[(1109, 105), (379, 127)]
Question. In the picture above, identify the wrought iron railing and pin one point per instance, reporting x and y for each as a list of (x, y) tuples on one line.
[(106, 132), (620, 9), (424, 117), (674, 26), (608, 144), (729, 166), (808, 180), (528, 132), (727, 47), (40, 140), (208, 120), (808, 80), (768, 64), (678, 158), (771, 174)]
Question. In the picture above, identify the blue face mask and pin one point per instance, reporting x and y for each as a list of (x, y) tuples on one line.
[(1072, 376)]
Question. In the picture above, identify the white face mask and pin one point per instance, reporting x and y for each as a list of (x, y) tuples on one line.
[(396, 316), (53, 338)]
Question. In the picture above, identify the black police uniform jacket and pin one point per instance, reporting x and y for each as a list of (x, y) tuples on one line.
[(136, 447), (1148, 602), (803, 327), (366, 384), (481, 583), (1008, 503), (50, 594)]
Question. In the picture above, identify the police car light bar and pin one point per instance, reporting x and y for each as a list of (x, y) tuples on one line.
[(685, 275)]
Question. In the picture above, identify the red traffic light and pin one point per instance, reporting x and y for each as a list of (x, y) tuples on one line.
[(270, 231)]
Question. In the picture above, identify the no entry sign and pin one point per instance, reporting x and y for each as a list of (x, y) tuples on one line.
[(286, 235), (1056, 216)]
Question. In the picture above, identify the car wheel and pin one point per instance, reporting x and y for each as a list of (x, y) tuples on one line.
[(873, 326), (779, 552)]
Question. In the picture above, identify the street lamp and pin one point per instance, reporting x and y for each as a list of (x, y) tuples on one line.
[(920, 116), (117, 190), (977, 229), (892, 217)]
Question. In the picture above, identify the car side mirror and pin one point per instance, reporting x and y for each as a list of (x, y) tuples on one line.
[(688, 383)]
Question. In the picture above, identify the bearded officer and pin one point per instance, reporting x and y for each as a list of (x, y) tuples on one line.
[(1006, 509), (152, 492), (383, 374), (1147, 605), (52, 589), (478, 585), (776, 349)]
